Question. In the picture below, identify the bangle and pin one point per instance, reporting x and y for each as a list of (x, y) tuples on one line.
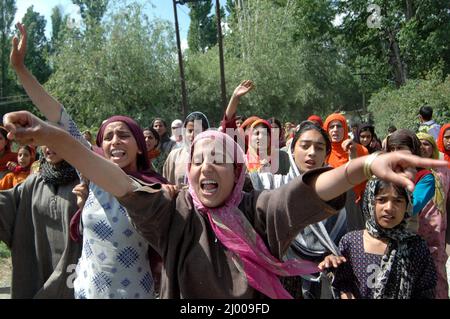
[(368, 163), (346, 174)]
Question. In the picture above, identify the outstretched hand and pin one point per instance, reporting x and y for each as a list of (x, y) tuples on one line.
[(27, 129), (19, 48), (399, 167), (243, 88)]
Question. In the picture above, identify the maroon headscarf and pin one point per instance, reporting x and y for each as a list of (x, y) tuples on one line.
[(144, 172)]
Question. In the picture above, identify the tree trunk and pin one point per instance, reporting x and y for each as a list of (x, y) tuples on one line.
[(409, 10), (395, 60)]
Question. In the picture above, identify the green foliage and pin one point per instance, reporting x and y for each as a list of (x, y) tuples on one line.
[(126, 67), (37, 45), (4, 251), (202, 33), (7, 12), (92, 11), (294, 76), (400, 107)]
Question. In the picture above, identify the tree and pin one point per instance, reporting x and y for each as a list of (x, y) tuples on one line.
[(37, 45), (7, 13), (409, 39), (202, 33), (92, 11), (126, 67), (59, 22)]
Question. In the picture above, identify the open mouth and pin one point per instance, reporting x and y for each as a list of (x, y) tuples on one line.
[(310, 162), (117, 154), (209, 186), (387, 217)]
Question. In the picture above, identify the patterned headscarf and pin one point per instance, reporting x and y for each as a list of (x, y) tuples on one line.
[(236, 233), (429, 138), (397, 257)]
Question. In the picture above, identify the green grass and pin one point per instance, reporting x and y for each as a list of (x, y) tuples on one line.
[(4, 251)]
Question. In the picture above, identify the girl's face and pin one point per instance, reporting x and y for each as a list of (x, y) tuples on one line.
[(446, 140), (191, 131), (426, 149), (119, 146), (212, 173), (394, 148), (336, 131), (365, 137), (390, 208), (310, 150), (50, 156), (159, 127), (259, 138), (23, 157), (150, 140), (3, 143)]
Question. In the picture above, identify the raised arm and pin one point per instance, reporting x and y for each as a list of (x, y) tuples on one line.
[(397, 167), (49, 106), (26, 128), (242, 89)]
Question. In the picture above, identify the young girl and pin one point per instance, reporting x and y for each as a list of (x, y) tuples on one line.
[(217, 242), (384, 261), (155, 157), (25, 157), (308, 150), (6, 155)]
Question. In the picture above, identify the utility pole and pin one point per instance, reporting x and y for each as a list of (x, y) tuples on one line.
[(180, 62), (222, 67)]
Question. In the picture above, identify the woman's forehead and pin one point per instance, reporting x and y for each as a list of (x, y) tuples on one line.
[(117, 126)]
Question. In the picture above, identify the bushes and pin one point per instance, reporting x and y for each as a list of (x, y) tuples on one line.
[(400, 107)]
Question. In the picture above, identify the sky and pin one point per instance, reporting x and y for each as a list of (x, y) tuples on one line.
[(158, 8)]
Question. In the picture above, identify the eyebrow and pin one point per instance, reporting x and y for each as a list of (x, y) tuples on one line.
[(311, 141)]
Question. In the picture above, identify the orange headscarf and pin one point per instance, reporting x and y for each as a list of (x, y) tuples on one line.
[(440, 143), (338, 155), (254, 163)]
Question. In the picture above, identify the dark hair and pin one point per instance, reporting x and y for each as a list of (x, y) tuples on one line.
[(404, 137), (155, 134), (426, 112), (383, 185), (277, 122), (392, 129), (158, 119), (308, 126), (241, 117), (197, 117)]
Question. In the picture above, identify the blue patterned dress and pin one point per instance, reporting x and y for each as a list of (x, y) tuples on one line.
[(114, 260)]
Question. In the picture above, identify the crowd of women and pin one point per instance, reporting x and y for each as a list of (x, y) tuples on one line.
[(253, 209)]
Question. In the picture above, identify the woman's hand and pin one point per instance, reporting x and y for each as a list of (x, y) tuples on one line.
[(27, 129), (19, 48), (350, 147), (243, 88), (81, 191), (11, 165), (172, 190), (399, 167), (331, 261)]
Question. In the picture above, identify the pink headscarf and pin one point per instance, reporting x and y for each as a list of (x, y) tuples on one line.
[(235, 232)]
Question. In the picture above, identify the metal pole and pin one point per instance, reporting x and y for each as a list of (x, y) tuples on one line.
[(222, 68), (180, 62)]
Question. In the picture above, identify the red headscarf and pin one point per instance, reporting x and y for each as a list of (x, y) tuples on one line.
[(316, 118), (440, 143)]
